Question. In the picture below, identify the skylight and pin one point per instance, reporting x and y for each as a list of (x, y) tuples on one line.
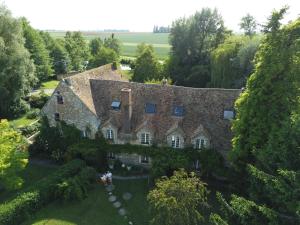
[(150, 108), (178, 110), (115, 105), (228, 115)]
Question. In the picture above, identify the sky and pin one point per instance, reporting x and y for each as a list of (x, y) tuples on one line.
[(138, 15)]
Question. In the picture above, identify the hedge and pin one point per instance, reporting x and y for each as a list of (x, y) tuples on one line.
[(43, 192)]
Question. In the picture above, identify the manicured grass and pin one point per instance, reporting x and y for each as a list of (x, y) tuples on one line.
[(130, 40), (21, 121), (31, 174), (96, 209), (51, 84)]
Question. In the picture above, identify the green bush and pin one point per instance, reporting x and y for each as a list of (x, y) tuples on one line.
[(88, 150), (45, 191), (33, 113), (30, 130), (38, 101)]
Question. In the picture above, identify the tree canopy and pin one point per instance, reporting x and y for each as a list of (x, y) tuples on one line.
[(248, 24), (232, 61), (13, 156), (16, 68), (175, 200), (38, 51), (147, 66), (266, 133), (192, 39), (77, 49)]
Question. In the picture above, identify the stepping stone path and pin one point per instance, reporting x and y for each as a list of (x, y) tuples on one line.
[(112, 198), (117, 204), (127, 196), (122, 212), (110, 188)]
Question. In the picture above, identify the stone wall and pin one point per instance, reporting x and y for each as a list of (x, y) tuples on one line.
[(73, 111)]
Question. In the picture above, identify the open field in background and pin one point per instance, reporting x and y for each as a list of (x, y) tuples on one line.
[(130, 40)]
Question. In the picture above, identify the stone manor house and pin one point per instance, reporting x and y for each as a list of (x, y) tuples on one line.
[(101, 101)]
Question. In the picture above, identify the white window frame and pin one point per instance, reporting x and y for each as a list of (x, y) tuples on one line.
[(111, 155), (84, 134), (144, 159), (200, 143), (109, 134), (145, 138), (175, 141)]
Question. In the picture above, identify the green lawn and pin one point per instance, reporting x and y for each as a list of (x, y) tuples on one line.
[(30, 175), (51, 84), (96, 209), (130, 40), (21, 121)]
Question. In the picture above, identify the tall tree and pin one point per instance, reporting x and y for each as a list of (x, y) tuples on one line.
[(113, 43), (232, 62), (13, 156), (95, 45), (147, 66), (60, 59), (103, 56), (248, 24), (77, 49), (16, 67), (38, 51), (266, 132), (192, 39), (176, 200), (266, 111)]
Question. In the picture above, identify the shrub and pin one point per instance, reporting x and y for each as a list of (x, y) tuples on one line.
[(33, 113), (43, 192), (29, 130), (88, 150), (38, 101)]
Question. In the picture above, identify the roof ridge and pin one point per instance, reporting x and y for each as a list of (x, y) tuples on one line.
[(161, 85)]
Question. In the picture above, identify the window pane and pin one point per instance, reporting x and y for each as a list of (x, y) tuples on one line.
[(150, 108), (178, 110)]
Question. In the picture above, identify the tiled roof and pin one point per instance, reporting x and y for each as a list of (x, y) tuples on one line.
[(202, 107)]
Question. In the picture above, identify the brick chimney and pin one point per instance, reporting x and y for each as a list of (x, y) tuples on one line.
[(126, 108)]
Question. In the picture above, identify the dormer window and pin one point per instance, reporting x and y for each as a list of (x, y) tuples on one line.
[(150, 108), (200, 143), (109, 134), (228, 114), (178, 111), (145, 138), (175, 141), (115, 105)]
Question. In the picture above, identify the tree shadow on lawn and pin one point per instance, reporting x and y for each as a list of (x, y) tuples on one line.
[(30, 174), (95, 209)]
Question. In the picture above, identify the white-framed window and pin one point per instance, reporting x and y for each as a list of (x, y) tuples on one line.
[(175, 141), (109, 134), (200, 143), (145, 138), (83, 133), (144, 159), (111, 155)]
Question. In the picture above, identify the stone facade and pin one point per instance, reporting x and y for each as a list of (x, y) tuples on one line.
[(126, 112)]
